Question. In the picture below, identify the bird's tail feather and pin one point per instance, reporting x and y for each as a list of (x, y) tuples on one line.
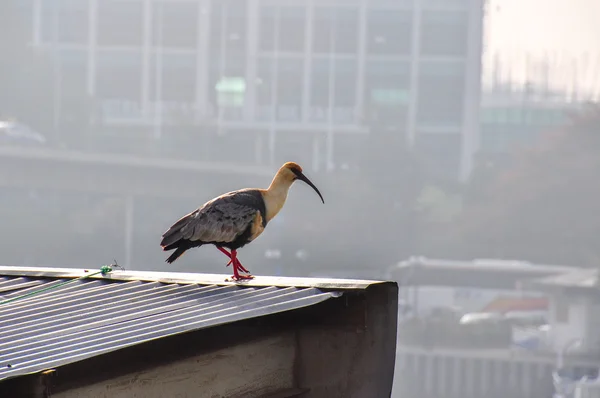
[(171, 246), (181, 247), (175, 255), (173, 234)]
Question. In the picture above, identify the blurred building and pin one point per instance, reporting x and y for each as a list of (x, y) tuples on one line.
[(513, 118), (299, 79), (439, 354)]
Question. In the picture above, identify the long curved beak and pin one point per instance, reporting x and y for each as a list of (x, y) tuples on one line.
[(306, 180)]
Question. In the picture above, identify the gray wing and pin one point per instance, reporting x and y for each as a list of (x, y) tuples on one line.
[(220, 220)]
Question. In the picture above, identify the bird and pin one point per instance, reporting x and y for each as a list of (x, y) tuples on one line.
[(234, 219)]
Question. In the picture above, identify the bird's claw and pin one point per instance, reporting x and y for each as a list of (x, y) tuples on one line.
[(242, 277), (243, 269), (240, 266)]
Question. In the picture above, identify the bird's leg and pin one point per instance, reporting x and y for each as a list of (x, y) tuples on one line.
[(225, 252), (236, 265), (239, 266)]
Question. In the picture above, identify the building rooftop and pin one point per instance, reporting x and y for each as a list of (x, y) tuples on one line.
[(517, 304), (55, 316), (581, 281), (484, 274)]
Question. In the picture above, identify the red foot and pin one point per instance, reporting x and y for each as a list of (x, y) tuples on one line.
[(239, 265), (242, 277)]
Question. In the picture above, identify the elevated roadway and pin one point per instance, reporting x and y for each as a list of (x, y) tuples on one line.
[(128, 176), (122, 174)]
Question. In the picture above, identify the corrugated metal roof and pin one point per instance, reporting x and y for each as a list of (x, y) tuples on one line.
[(90, 317), (185, 277)]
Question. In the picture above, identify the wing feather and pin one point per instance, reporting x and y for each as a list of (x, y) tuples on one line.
[(219, 220)]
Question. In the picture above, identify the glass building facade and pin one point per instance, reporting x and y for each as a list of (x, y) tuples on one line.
[(314, 74), (505, 128)]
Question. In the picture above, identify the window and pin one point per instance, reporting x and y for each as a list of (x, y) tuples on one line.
[(289, 76), (389, 31), (345, 77), (228, 27), (444, 33), (283, 25), (179, 21), (73, 89), (265, 75), (292, 29), (441, 88), (73, 67), (319, 93), (289, 89), (225, 76), (335, 80), (178, 77), (267, 28), (72, 18), (335, 29), (120, 23), (387, 91), (119, 75)]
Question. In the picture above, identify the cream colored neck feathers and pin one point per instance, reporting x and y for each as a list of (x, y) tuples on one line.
[(276, 194)]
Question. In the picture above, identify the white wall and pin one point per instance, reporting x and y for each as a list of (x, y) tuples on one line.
[(592, 327), (563, 332)]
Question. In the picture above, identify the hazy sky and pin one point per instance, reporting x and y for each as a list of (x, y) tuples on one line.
[(566, 31)]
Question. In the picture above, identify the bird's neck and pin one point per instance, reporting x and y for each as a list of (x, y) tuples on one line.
[(276, 195)]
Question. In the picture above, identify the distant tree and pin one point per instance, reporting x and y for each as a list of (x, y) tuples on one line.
[(546, 207)]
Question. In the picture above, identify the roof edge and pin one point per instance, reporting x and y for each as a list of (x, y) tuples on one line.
[(559, 284), (471, 266), (191, 278)]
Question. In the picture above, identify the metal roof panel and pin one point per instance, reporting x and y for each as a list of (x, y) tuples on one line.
[(186, 278), (94, 316)]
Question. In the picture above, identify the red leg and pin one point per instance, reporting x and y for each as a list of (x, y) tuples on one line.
[(236, 265), (240, 266), (225, 252)]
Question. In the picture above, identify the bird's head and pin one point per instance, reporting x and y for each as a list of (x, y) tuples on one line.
[(291, 172)]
